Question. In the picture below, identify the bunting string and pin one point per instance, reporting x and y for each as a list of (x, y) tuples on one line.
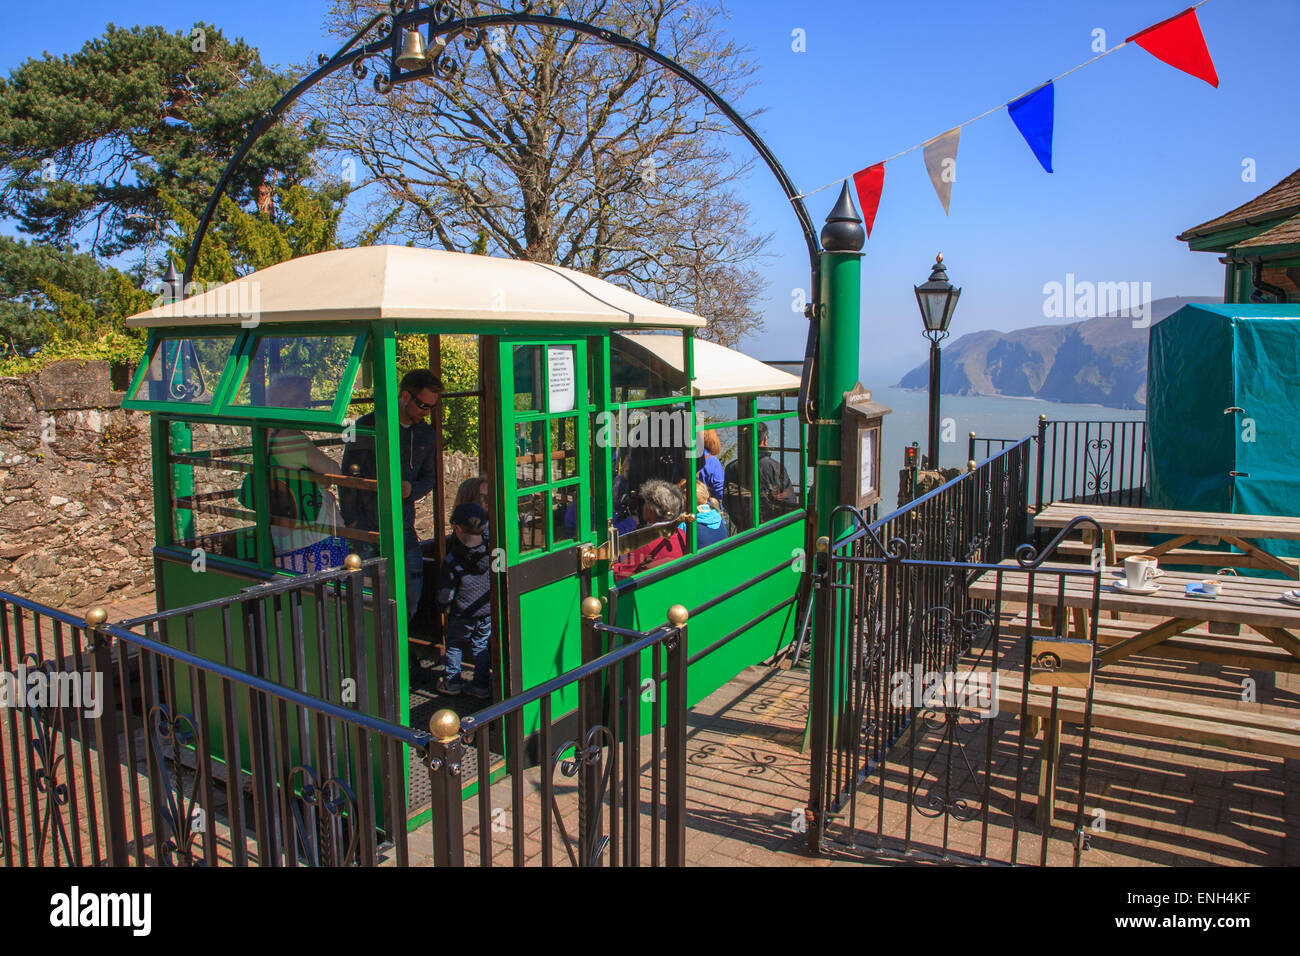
[(1177, 41)]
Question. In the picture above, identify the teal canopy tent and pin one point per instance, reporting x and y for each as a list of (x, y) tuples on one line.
[(1223, 412)]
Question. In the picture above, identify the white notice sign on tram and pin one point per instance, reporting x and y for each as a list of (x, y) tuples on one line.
[(560, 378)]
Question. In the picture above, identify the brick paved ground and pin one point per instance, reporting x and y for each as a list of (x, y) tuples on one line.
[(747, 785), (1161, 803)]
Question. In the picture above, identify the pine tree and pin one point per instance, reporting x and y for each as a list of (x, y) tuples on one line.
[(89, 140)]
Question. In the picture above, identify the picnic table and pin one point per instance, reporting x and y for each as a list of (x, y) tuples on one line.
[(1187, 527), (1253, 602), (1186, 630)]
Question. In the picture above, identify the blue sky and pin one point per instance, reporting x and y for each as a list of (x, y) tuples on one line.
[(1142, 151)]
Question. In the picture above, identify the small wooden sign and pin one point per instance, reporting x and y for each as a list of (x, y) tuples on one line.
[(863, 422)]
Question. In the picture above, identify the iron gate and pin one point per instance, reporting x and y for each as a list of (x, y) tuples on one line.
[(928, 699)]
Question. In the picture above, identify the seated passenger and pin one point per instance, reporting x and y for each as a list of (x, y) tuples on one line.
[(776, 494), (296, 491), (661, 502), (711, 472), (709, 526)]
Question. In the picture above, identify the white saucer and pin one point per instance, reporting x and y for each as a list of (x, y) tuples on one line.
[(1150, 588), (1291, 597)]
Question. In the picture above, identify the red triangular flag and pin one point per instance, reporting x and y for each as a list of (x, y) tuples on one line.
[(1179, 42), (869, 182)]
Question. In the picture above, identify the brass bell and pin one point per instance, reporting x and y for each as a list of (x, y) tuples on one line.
[(412, 56)]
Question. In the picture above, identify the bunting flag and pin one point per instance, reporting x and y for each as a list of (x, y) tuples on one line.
[(869, 182), (1180, 43), (940, 156), (1177, 41), (1034, 115)]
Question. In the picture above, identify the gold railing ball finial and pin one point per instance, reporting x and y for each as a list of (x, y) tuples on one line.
[(445, 725), (823, 544), (971, 465), (352, 562), (591, 608), (96, 617), (678, 615)]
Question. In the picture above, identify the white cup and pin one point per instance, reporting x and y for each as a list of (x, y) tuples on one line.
[(1210, 586), (1138, 570)]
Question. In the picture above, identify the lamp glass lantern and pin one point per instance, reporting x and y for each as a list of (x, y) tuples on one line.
[(937, 300)]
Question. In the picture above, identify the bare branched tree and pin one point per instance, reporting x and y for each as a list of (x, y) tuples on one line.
[(560, 148)]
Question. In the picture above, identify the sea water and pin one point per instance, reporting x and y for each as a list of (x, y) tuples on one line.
[(959, 415)]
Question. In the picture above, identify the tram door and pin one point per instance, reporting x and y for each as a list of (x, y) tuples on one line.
[(545, 506)]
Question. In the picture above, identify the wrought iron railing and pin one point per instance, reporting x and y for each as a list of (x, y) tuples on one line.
[(979, 447), (893, 603), (931, 704), (185, 760), (633, 785), (1091, 462), (287, 752)]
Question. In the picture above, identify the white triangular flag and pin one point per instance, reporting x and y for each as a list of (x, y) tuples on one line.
[(941, 163)]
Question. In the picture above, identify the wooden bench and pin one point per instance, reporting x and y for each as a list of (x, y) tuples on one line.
[(1230, 727), (1198, 644)]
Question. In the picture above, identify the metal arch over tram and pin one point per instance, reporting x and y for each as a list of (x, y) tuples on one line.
[(441, 21)]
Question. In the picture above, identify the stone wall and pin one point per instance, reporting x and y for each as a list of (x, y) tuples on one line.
[(76, 489), (76, 500)]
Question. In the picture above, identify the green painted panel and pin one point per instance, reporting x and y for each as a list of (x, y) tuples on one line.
[(646, 607), (551, 626)]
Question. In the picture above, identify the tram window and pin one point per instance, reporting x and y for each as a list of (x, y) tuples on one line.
[(301, 372), (780, 404), (530, 453), (564, 448), (184, 370), (564, 507), (529, 379), (305, 482), (778, 489), (534, 512), (645, 444), (639, 373), (737, 457), (209, 465), (651, 444)]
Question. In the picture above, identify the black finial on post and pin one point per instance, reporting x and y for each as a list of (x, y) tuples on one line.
[(843, 231), (171, 282)]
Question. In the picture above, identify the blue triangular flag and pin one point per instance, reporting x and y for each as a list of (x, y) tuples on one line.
[(1033, 116)]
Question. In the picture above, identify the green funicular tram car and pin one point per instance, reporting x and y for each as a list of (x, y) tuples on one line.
[(586, 392)]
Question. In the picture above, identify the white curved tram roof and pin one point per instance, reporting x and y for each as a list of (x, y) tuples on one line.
[(400, 283), (718, 369), (405, 284)]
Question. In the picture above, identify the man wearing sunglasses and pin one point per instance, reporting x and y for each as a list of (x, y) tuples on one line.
[(417, 443)]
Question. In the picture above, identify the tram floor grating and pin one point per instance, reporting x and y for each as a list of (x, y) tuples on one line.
[(425, 701)]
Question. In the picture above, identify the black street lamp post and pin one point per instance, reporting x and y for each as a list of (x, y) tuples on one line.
[(937, 299)]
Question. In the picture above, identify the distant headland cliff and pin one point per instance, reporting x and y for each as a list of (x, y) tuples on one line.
[(1101, 361)]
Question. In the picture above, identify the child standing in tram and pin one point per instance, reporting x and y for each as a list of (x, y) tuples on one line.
[(464, 595)]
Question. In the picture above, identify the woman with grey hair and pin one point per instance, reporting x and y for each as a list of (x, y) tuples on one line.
[(661, 502)]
